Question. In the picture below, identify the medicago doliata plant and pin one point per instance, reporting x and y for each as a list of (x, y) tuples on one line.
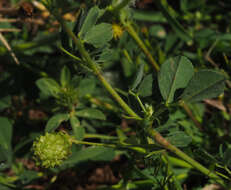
[(117, 89)]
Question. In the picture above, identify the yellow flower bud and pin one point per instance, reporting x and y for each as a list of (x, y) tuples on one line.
[(117, 31)]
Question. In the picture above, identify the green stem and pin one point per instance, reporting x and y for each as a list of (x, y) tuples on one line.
[(152, 61), (118, 98), (77, 59), (155, 134), (125, 52), (70, 54), (139, 101), (94, 144), (140, 43), (115, 146), (118, 7), (162, 141), (85, 55), (102, 104), (98, 136)]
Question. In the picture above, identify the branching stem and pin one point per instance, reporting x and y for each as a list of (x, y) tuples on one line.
[(91, 64), (152, 132)]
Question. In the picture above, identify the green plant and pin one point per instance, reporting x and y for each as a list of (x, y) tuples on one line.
[(160, 100)]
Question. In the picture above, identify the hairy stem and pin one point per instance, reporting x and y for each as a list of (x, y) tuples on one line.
[(162, 141), (85, 55)]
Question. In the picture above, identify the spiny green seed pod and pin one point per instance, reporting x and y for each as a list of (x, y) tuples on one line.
[(52, 149)]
